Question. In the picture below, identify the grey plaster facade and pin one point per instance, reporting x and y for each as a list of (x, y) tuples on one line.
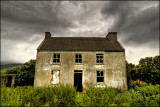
[(113, 67)]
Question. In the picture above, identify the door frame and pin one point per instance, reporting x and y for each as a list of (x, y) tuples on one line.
[(78, 72)]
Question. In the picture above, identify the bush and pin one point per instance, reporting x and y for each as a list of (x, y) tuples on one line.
[(137, 83)]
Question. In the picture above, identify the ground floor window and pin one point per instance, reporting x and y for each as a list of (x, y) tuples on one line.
[(55, 76), (100, 76)]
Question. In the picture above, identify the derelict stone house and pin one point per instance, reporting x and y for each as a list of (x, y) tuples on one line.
[(81, 61)]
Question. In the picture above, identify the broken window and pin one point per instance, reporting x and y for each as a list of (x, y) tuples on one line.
[(56, 58), (100, 76), (55, 77), (78, 58), (99, 58)]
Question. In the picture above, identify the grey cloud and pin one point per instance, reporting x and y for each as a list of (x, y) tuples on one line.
[(40, 13), (33, 17), (135, 25), (23, 23), (22, 19)]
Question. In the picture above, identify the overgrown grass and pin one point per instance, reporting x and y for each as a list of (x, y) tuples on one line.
[(28, 96), (67, 96)]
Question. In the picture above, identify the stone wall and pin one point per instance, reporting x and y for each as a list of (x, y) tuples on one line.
[(114, 68)]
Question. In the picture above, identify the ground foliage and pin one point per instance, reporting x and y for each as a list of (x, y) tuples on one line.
[(67, 96)]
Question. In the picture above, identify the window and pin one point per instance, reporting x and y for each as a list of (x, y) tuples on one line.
[(78, 58), (100, 76), (99, 58), (56, 58), (55, 77)]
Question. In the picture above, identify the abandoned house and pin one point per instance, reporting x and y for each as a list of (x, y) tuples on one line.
[(81, 62)]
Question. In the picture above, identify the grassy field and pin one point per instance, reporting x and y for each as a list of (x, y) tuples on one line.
[(67, 96)]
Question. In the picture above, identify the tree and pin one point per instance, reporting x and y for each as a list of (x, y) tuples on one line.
[(26, 76), (149, 69)]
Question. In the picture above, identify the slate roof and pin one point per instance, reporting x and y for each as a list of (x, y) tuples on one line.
[(80, 44)]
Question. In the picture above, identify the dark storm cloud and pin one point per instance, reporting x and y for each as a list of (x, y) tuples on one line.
[(33, 17), (134, 24), (38, 13), (23, 24)]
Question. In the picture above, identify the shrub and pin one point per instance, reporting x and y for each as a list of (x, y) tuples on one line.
[(137, 83)]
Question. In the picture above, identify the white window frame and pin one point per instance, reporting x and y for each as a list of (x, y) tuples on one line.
[(99, 59), (78, 58), (100, 76), (56, 58)]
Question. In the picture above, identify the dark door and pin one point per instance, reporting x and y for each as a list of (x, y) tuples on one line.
[(78, 80), (9, 80)]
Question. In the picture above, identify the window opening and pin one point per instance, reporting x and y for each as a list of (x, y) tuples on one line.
[(78, 58), (99, 58), (56, 58), (100, 76)]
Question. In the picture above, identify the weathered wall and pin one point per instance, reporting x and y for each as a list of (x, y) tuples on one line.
[(114, 68)]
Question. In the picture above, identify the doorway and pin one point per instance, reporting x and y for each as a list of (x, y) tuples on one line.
[(78, 80), (9, 81)]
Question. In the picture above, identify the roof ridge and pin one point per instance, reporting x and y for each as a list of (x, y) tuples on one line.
[(78, 37), (80, 44)]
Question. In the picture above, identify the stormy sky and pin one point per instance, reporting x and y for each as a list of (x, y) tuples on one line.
[(23, 24)]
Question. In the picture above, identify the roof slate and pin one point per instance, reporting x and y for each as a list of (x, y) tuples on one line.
[(80, 44)]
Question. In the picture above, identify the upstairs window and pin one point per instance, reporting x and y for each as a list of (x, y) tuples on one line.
[(78, 58), (56, 58), (100, 76), (99, 58)]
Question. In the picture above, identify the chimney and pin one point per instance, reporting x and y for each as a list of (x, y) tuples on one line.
[(47, 35), (112, 36)]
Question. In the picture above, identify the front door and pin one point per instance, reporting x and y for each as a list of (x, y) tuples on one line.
[(78, 80)]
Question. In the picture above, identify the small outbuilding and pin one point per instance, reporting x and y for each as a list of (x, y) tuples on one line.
[(8, 80)]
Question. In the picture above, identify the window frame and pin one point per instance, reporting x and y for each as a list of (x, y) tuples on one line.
[(100, 59), (100, 77), (78, 58), (56, 58)]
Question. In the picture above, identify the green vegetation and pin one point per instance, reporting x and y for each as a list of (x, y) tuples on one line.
[(146, 72), (67, 96), (25, 73), (143, 83)]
